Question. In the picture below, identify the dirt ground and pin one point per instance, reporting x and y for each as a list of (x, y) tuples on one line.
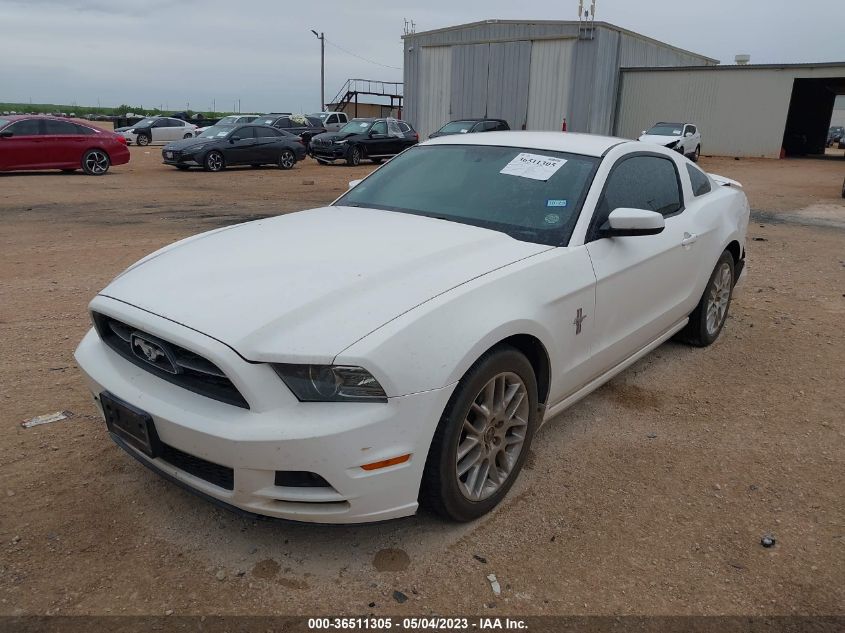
[(648, 497)]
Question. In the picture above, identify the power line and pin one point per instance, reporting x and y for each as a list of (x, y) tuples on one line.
[(340, 48)]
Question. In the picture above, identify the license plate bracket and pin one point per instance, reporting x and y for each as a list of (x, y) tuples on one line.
[(132, 425)]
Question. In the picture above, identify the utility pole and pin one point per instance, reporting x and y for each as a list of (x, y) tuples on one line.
[(322, 37)]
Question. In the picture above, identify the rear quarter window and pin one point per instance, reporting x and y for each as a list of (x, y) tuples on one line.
[(698, 180)]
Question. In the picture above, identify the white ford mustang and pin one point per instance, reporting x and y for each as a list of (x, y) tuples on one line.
[(404, 344)]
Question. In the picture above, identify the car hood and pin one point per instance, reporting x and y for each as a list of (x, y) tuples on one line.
[(334, 136), (187, 143), (303, 287), (659, 140)]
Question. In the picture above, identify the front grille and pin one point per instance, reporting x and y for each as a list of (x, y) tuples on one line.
[(216, 474), (189, 370)]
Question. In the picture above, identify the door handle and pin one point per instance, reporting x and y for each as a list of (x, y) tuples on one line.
[(689, 238)]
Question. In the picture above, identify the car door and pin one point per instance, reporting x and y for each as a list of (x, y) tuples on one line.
[(643, 283), (267, 144), (63, 143), (375, 140), (242, 148), (22, 145)]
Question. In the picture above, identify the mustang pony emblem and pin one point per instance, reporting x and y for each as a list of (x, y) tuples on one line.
[(151, 352)]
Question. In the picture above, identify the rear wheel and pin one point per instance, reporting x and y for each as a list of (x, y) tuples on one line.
[(708, 318), (696, 154), (143, 139), (214, 161), (354, 157), (95, 162), (286, 159), (483, 437)]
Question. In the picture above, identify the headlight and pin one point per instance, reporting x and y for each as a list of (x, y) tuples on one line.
[(331, 383), (672, 144)]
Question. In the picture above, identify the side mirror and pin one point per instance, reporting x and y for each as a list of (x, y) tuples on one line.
[(643, 132), (354, 183), (688, 134), (234, 139), (628, 222), (7, 134)]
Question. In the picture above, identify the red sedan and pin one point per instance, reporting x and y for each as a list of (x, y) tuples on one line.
[(39, 142)]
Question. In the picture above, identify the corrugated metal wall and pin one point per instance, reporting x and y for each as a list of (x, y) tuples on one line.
[(549, 84), (492, 73), (507, 82), (435, 73), (739, 111)]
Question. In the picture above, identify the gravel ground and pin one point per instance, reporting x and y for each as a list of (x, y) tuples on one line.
[(648, 497)]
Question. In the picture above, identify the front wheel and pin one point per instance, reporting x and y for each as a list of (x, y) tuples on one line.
[(95, 162), (696, 154), (188, 135), (214, 161), (483, 437), (708, 318), (354, 157), (286, 159), (143, 140)]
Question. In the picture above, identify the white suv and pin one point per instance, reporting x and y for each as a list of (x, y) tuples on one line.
[(681, 137)]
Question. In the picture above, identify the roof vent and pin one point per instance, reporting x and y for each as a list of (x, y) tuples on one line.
[(742, 59)]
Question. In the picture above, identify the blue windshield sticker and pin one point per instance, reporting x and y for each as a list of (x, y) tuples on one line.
[(555, 203)]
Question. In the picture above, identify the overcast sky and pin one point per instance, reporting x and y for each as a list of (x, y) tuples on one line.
[(170, 53)]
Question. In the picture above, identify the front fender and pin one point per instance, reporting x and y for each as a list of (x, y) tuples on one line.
[(433, 345)]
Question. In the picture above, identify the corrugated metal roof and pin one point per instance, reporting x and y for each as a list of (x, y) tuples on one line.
[(562, 23), (737, 67)]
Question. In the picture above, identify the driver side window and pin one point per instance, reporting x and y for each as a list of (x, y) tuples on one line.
[(379, 127), (639, 182)]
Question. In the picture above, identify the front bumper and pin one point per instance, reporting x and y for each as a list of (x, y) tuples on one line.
[(328, 152), (277, 432), (175, 157)]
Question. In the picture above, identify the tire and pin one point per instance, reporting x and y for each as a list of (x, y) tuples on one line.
[(143, 140), (188, 135), (696, 154), (354, 156), (214, 161), (462, 497), (286, 159), (702, 330), (95, 162)]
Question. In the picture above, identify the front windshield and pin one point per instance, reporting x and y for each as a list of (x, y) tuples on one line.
[(532, 195), (217, 131), (666, 129), (355, 127), (457, 127)]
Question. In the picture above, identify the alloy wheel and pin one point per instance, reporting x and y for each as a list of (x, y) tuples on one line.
[(214, 161), (96, 162), (287, 159), (717, 301), (492, 436)]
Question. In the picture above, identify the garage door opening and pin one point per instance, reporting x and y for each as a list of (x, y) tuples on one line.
[(810, 112)]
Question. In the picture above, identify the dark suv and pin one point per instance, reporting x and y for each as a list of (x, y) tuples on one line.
[(360, 139), (303, 126), (468, 126)]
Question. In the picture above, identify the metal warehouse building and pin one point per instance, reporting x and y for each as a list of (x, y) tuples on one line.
[(753, 110), (532, 74), (606, 80)]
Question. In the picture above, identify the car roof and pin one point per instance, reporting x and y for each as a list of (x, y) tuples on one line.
[(473, 120), (586, 144)]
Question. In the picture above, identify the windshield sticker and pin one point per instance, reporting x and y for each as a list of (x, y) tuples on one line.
[(555, 203), (552, 218), (533, 166), (676, 131)]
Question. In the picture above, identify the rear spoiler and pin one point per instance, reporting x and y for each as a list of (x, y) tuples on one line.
[(725, 182)]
